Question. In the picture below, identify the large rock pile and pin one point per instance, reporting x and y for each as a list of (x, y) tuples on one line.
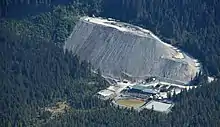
[(116, 47)]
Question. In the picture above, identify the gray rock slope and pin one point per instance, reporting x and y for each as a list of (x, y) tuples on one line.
[(115, 51)]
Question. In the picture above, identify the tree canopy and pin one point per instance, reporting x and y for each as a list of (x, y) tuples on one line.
[(35, 71)]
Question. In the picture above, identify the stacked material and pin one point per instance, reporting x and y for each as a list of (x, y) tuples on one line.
[(116, 47)]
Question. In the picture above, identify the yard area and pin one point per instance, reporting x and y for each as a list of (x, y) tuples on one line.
[(135, 103)]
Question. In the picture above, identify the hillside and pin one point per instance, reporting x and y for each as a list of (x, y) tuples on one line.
[(117, 48), (36, 74)]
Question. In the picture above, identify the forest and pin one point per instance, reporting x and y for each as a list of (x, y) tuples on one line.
[(35, 71)]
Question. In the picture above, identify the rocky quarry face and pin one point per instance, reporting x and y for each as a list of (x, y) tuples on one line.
[(117, 48)]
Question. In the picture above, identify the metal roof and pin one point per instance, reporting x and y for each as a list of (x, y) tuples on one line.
[(146, 89), (150, 91), (140, 87), (105, 93), (159, 106)]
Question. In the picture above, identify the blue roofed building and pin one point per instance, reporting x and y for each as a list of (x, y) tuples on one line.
[(143, 89)]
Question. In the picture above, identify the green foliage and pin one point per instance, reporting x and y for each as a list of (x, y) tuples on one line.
[(35, 72), (45, 115), (198, 107), (194, 26)]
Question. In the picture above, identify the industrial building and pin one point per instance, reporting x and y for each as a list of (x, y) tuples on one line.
[(159, 106), (106, 94), (143, 89), (150, 93)]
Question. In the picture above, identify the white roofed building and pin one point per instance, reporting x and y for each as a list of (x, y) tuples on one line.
[(159, 106), (106, 94)]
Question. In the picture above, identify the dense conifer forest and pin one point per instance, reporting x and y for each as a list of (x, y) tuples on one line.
[(35, 72)]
